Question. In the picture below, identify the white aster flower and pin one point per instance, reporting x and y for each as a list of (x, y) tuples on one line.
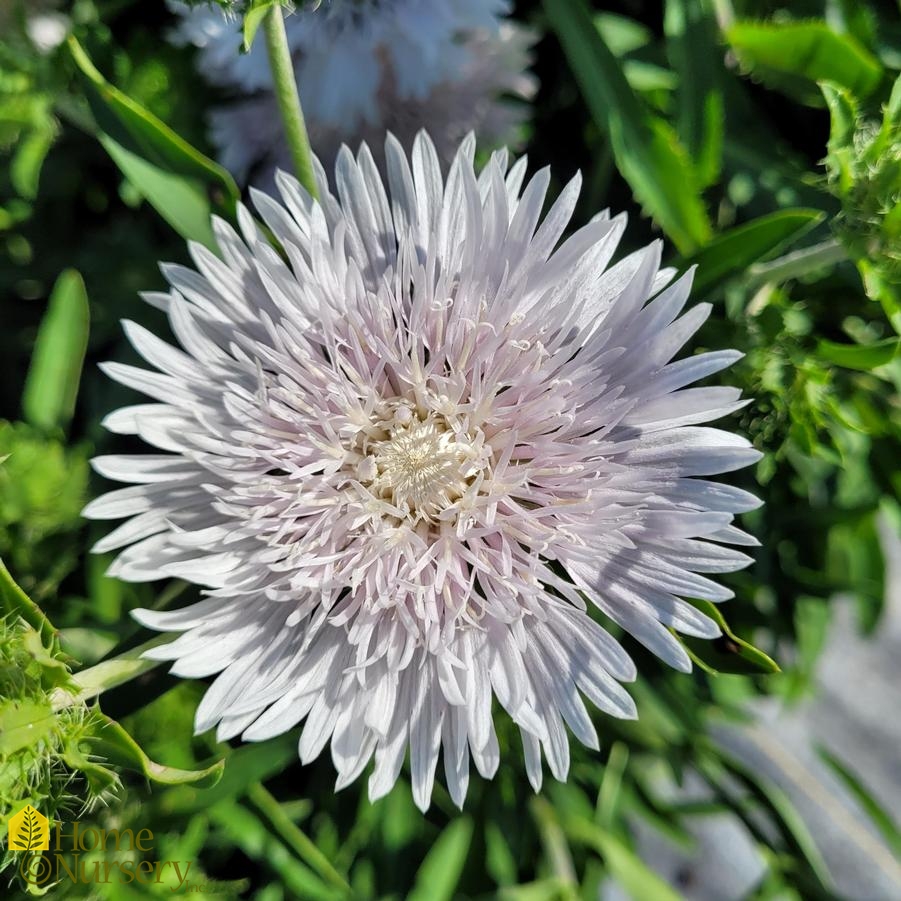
[(365, 67), (414, 458)]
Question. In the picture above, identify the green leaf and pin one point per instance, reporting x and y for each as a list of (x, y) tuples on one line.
[(880, 818), (87, 644), (292, 836), (732, 252), (253, 18), (181, 202), (112, 743), (729, 653), (440, 872), (14, 601), (843, 122), (550, 889), (812, 617), (624, 865), (798, 54), (646, 149), (860, 356), (646, 77), (246, 765), (622, 34), (691, 41), (183, 185), (51, 385), (856, 562), (500, 861), (25, 168), (243, 829), (117, 670), (609, 794), (23, 723)]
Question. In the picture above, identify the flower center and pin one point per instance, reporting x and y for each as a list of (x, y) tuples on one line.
[(424, 466)]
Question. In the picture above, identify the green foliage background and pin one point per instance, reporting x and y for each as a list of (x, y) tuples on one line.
[(761, 139)]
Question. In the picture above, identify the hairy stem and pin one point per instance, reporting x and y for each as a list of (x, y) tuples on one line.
[(288, 98), (799, 262)]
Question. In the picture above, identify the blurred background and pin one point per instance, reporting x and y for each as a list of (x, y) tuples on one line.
[(762, 141)]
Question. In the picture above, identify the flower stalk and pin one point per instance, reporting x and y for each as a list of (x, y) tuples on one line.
[(799, 263), (93, 681), (288, 98)]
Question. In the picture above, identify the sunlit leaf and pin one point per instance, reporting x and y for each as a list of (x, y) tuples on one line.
[(182, 184), (843, 121), (729, 653), (783, 53), (117, 670), (860, 356), (23, 723), (499, 858), (115, 746), (26, 165), (440, 872), (14, 601), (732, 252), (253, 18), (636, 878), (181, 202), (51, 386), (647, 151), (691, 44), (541, 890), (622, 34)]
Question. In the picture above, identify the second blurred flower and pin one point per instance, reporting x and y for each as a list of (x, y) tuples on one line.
[(365, 67)]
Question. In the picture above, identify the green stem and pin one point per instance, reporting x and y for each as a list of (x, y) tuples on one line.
[(556, 847), (295, 838), (109, 673), (798, 263), (288, 98), (609, 794)]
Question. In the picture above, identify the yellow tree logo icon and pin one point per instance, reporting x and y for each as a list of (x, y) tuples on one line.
[(29, 831)]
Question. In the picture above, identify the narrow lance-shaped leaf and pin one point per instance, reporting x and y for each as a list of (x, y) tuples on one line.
[(111, 742), (637, 879), (860, 356), (440, 872), (732, 252), (25, 168), (182, 184), (180, 202), (691, 41), (51, 385), (646, 149), (91, 682), (843, 120), (728, 654), (253, 18), (795, 55)]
